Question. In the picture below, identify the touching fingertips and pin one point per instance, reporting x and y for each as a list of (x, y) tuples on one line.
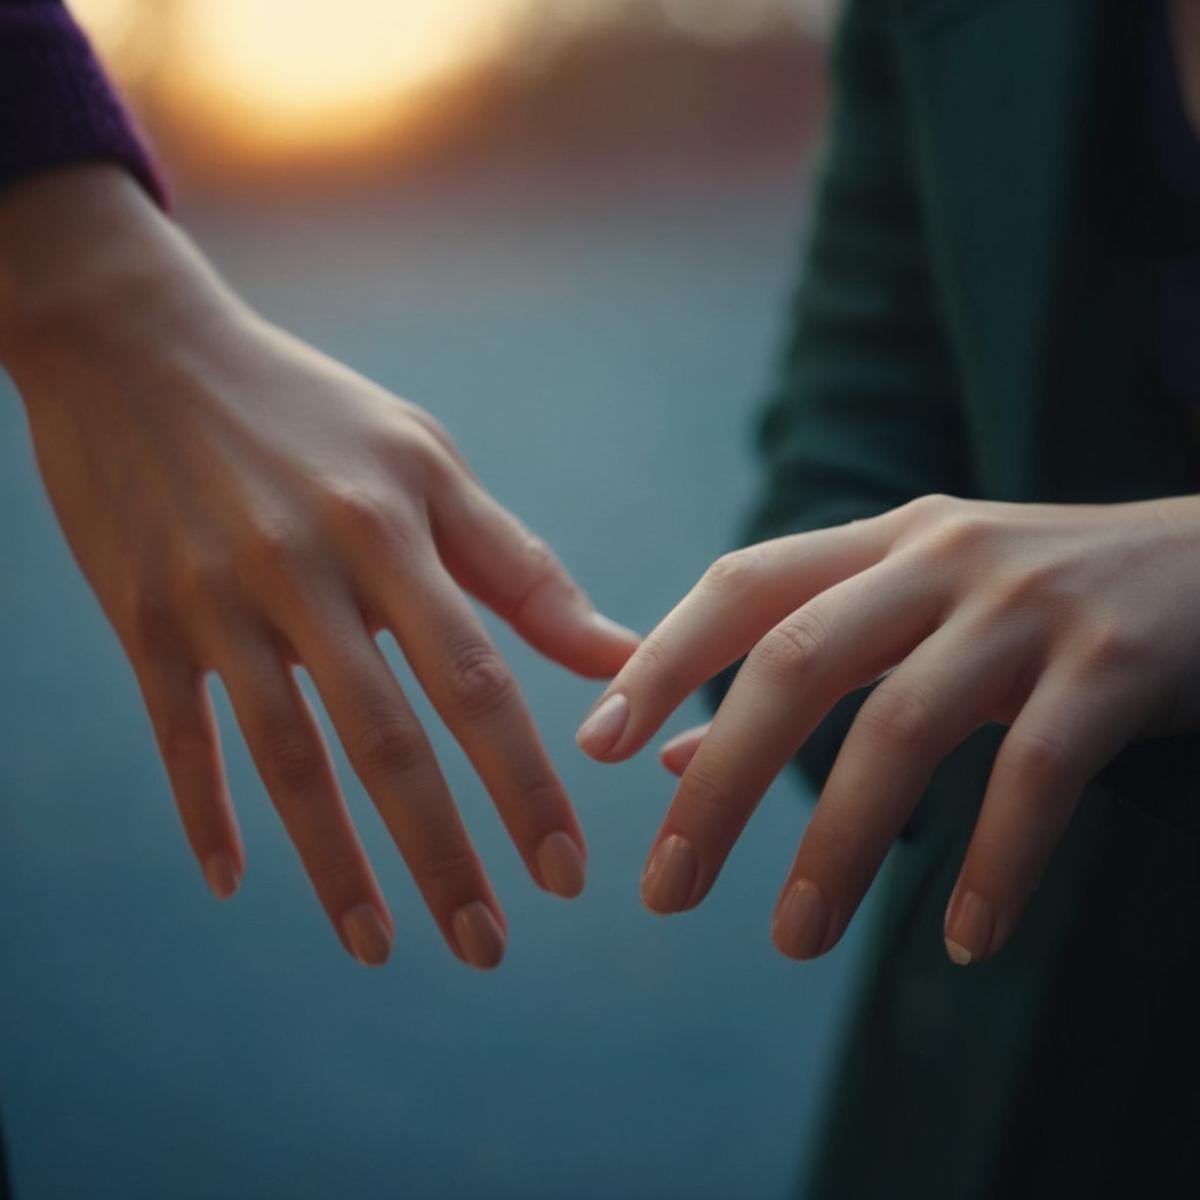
[(480, 938), (561, 865), (670, 876), (603, 729), (970, 923), (367, 935), (221, 874), (801, 922)]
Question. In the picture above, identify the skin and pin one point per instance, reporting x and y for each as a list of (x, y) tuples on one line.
[(1068, 624), (1072, 625), (242, 505)]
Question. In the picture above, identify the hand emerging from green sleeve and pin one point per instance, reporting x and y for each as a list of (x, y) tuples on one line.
[(1075, 625)]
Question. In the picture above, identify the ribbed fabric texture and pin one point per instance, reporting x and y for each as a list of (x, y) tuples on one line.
[(57, 105)]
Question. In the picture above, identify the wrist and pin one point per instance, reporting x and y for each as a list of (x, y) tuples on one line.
[(89, 268)]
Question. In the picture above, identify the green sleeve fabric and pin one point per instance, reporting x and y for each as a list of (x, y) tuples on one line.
[(864, 413)]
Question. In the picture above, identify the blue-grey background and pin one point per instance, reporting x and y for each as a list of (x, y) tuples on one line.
[(598, 357)]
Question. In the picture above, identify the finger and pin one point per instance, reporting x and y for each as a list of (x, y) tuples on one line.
[(1070, 728), (474, 692), (498, 560), (945, 689), (681, 749), (737, 601), (839, 640), (393, 757), (185, 729), (293, 761)]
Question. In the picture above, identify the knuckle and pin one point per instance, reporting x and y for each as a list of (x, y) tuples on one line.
[(443, 865), (653, 656), (291, 764), (208, 580), (960, 533), (1037, 754), (388, 746), (185, 750), (275, 553), (151, 617), (479, 682), (335, 872), (933, 506), (703, 795), (1033, 585), (734, 572), (359, 514), (539, 568), (1111, 645), (897, 716), (417, 453), (792, 649)]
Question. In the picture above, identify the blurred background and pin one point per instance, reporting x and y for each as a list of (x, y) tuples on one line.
[(569, 228)]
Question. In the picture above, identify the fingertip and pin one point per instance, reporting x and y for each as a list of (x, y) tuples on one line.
[(480, 938), (367, 935), (561, 865), (614, 632), (599, 734), (969, 928), (800, 927), (222, 874)]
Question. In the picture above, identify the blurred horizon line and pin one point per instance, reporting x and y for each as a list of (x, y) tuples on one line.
[(633, 87)]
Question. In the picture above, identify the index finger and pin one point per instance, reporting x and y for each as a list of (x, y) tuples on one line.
[(838, 641), (735, 603)]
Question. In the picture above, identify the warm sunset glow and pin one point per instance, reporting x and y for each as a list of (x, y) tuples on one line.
[(297, 71), (280, 77)]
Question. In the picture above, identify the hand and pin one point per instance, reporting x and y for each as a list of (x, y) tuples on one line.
[(1075, 625), (241, 504)]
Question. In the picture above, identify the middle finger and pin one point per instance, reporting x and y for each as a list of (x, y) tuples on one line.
[(952, 683), (475, 693), (840, 640)]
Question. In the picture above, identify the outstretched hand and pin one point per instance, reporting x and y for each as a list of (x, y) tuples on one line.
[(243, 505), (1075, 625)]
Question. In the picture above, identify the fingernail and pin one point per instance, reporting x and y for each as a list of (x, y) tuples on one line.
[(221, 874), (610, 628), (603, 729), (801, 921), (561, 865), (971, 921), (669, 876), (480, 938), (369, 939)]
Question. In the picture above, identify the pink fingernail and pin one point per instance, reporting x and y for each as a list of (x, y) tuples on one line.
[(801, 921), (969, 925), (480, 938), (561, 865), (221, 874), (367, 935), (669, 876), (603, 729)]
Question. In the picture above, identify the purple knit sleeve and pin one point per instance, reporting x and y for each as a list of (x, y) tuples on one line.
[(57, 106)]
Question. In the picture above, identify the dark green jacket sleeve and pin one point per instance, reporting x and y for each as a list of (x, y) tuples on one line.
[(864, 414)]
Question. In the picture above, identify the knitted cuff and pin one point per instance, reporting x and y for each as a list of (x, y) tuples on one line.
[(57, 105)]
